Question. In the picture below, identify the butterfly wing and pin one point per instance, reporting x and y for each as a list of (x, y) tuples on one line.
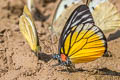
[(107, 20), (27, 28), (62, 13), (105, 14), (30, 5), (81, 40), (62, 6)]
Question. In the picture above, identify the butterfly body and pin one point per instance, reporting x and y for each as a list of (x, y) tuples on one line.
[(62, 59)]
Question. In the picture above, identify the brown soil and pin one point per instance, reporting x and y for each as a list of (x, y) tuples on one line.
[(18, 62)]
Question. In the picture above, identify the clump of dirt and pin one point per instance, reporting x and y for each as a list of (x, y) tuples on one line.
[(18, 62)]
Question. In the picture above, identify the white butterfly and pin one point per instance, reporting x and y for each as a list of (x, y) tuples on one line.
[(105, 14), (30, 5)]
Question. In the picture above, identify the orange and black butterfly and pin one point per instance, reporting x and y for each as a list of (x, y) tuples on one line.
[(81, 40)]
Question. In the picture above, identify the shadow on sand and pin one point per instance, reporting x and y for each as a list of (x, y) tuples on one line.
[(44, 57), (114, 36), (103, 71)]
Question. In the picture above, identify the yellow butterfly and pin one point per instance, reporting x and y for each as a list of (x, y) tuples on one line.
[(104, 12), (27, 28), (81, 40)]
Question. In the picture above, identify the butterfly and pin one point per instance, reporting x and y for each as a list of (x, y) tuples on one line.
[(30, 5), (81, 40), (28, 29), (107, 20)]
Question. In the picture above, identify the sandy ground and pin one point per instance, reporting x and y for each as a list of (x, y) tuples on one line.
[(18, 62)]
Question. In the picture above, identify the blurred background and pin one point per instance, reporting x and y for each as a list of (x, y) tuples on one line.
[(17, 61)]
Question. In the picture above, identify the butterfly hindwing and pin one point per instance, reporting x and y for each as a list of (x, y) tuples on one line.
[(81, 40)]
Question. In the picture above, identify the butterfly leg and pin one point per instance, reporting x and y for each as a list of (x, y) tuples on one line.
[(107, 54), (71, 68)]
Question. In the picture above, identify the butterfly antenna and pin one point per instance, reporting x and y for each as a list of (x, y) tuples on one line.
[(87, 2)]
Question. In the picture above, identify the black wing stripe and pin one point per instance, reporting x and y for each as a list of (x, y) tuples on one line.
[(80, 14), (86, 16), (80, 31), (70, 21), (70, 40), (96, 40), (94, 47), (84, 34), (89, 20)]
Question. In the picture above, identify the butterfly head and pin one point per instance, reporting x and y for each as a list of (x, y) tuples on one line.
[(62, 59)]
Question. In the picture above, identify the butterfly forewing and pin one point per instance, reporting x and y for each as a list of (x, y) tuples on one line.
[(81, 40)]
